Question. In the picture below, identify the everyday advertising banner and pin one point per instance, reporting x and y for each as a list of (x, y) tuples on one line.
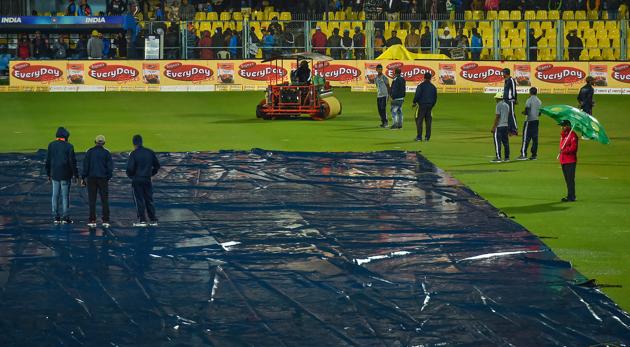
[(549, 77)]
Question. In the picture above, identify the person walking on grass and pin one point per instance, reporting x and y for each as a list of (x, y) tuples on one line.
[(61, 168), (530, 128), (510, 98), (585, 97), (382, 92), (398, 91), (424, 99), (98, 168), (500, 129), (568, 158), (141, 166)]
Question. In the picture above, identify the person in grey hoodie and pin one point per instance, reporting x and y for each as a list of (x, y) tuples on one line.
[(382, 92), (61, 167), (95, 46)]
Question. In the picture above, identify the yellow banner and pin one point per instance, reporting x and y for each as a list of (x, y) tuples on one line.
[(549, 77)]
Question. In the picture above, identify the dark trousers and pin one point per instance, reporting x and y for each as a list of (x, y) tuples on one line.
[(381, 103), (533, 54), (423, 114), (475, 55), (530, 133), (569, 177), (588, 109), (143, 197), (512, 126), (100, 186), (501, 138)]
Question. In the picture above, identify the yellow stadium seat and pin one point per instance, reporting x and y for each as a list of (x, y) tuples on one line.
[(357, 24), (469, 25), (608, 54), (522, 25), (477, 15), (515, 15), (584, 25), (340, 15), (601, 34), (554, 14), (530, 15), (584, 55), (546, 25), (237, 16), (541, 15), (200, 16), (599, 25), (613, 33), (611, 24), (491, 15), (516, 43), (285, 16), (592, 15), (504, 15), (591, 42), (362, 15), (602, 43), (580, 15), (568, 15), (225, 16), (594, 54), (589, 33), (270, 15), (507, 25), (484, 25), (615, 41), (212, 16), (351, 15), (519, 54), (570, 25), (467, 15), (505, 43)]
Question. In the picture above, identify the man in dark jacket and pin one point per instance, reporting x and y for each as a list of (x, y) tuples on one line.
[(533, 44), (510, 97), (585, 97), (98, 167), (425, 99), (141, 166), (61, 167), (398, 90), (334, 43)]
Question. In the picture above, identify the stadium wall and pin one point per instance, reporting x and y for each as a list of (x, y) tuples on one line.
[(236, 75)]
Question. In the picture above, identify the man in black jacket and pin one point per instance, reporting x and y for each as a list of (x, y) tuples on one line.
[(510, 97), (61, 167), (141, 166), (425, 99), (585, 97), (98, 167), (398, 91)]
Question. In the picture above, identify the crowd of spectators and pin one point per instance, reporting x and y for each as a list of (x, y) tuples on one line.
[(60, 46)]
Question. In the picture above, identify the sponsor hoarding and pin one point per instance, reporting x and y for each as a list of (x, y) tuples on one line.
[(551, 77)]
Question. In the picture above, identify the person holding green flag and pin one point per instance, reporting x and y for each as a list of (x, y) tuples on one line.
[(568, 158)]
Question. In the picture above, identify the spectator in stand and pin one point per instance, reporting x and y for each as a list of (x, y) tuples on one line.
[(191, 41), (186, 11), (462, 42), (592, 5), (71, 10), (159, 13), (334, 43), (278, 42), (121, 45), (612, 7), (254, 42), (357, 5), (59, 48), (95, 46), (575, 45), (347, 44), (172, 12), (234, 45), (24, 48), (107, 46), (116, 8), (274, 25), (423, 8), (533, 44), (394, 40), (393, 10), (476, 44), (358, 41), (426, 40), (445, 41), (318, 41), (40, 49), (288, 42), (80, 52), (379, 42), (373, 9), (491, 5), (84, 9), (412, 41), (268, 44), (5, 58), (205, 46), (477, 5), (217, 41)]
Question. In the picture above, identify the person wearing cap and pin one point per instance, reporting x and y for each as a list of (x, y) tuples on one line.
[(98, 168), (334, 43), (445, 42), (141, 166), (500, 129), (347, 44), (382, 92), (61, 167), (95, 46), (568, 158), (319, 40), (585, 96), (398, 91), (510, 97), (424, 99)]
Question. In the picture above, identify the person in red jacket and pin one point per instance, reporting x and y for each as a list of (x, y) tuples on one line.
[(319, 41), (568, 158)]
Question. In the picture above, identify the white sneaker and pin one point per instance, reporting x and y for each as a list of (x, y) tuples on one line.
[(153, 223), (106, 225), (92, 224), (495, 160), (522, 158), (141, 223)]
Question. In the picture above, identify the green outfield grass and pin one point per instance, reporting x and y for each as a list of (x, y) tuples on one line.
[(593, 233)]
